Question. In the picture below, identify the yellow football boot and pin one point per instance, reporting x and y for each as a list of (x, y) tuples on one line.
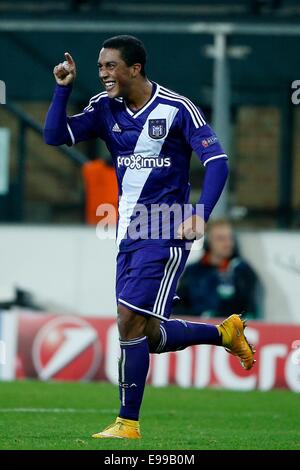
[(234, 340), (121, 429)]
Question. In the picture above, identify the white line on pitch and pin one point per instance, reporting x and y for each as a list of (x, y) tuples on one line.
[(79, 410), (57, 410)]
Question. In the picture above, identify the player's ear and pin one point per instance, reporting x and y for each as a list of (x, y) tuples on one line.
[(136, 69)]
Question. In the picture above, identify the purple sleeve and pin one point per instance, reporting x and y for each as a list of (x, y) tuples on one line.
[(62, 129), (215, 177), (90, 123), (205, 143), (199, 135), (55, 128)]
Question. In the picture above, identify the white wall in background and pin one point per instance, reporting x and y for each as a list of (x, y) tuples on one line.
[(276, 258), (68, 269)]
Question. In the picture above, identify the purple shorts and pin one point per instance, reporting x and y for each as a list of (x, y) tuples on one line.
[(147, 278)]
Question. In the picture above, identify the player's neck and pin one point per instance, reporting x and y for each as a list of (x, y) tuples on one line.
[(140, 95)]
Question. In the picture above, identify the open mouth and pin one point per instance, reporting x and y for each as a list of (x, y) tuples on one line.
[(109, 85)]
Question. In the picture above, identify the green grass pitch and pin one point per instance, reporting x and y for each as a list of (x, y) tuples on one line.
[(36, 415)]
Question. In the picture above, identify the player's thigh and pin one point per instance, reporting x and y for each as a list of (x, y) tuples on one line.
[(150, 282)]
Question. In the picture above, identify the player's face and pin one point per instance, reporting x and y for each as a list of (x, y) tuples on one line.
[(221, 241), (114, 73)]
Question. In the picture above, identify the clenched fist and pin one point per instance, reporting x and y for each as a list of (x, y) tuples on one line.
[(191, 229), (65, 72)]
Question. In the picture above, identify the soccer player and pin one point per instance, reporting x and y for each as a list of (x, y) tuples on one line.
[(150, 132)]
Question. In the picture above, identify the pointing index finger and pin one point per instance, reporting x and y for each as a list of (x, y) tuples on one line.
[(69, 58)]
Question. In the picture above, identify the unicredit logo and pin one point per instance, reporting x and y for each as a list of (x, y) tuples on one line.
[(66, 348), (138, 161)]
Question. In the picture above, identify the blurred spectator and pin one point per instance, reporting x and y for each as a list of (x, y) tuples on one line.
[(220, 282), (101, 187)]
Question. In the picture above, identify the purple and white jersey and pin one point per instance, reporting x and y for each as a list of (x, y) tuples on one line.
[(151, 151)]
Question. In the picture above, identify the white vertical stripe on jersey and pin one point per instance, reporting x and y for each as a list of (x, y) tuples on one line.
[(134, 180)]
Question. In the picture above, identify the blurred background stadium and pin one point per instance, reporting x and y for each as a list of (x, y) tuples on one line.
[(237, 60)]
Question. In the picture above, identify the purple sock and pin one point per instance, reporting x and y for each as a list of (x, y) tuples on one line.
[(133, 369), (179, 334)]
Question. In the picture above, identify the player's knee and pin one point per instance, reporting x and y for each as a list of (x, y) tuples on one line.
[(130, 324), (152, 331)]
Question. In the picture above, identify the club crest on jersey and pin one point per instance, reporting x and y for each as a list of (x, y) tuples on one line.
[(157, 128)]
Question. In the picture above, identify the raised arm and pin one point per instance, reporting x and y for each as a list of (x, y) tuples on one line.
[(56, 129)]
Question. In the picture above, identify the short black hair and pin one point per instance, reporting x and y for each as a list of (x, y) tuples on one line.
[(132, 50)]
